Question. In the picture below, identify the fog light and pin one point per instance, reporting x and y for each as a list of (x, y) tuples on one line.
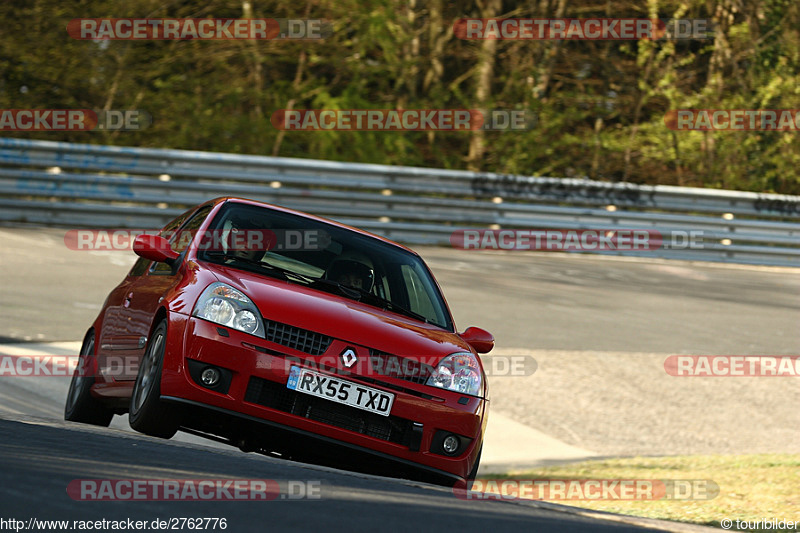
[(210, 377), (450, 444)]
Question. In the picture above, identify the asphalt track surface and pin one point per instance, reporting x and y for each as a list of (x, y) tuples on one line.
[(599, 328), (41, 459)]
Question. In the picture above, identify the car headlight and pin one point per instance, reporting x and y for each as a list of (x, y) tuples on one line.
[(459, 372), (224, 305)]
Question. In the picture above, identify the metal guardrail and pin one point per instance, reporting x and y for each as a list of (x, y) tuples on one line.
[(78, 185)]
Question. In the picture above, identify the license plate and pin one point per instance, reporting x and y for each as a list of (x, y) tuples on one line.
[(340, 391)]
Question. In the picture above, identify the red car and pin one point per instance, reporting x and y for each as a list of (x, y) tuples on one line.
[(288, 334)]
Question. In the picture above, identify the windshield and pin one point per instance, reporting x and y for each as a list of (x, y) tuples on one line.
[(325, 257)]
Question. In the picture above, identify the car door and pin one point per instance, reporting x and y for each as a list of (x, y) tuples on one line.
[(131, 306)]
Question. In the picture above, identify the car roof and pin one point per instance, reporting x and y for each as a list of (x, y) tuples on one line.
[(247, 201)]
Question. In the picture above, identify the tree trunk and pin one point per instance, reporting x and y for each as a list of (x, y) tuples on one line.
[(483, 86)]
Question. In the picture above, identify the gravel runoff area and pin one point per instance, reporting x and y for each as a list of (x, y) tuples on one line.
[(625, 404)]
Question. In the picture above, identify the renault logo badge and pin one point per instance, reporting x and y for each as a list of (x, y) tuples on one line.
[(349, 357)]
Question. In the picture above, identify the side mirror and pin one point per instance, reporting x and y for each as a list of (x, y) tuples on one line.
[(155, 248), (478, 338)]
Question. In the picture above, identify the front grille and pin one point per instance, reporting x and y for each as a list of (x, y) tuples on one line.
[(296, 338), (404, 368), (277, 396)]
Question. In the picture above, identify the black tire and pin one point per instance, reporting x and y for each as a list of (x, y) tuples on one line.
[(80, 405), (474, 472), (147, 413)]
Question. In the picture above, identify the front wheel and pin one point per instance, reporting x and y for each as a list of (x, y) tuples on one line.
[(474, 472), (81, 406), (147, 413)]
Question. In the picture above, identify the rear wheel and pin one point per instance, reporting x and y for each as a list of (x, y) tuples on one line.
[(147, 413), (81, 406)]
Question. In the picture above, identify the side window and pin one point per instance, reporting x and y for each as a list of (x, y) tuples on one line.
[(180, 240), (140, 267), (169, 229)]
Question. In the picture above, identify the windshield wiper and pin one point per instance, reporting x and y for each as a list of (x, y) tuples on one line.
[(391, 306), (388, 305), (350, 292)]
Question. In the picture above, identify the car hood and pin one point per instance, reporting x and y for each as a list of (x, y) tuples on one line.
[(340, 317)]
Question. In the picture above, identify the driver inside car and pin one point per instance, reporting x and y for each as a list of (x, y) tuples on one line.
[(239, 237), (352, 271)]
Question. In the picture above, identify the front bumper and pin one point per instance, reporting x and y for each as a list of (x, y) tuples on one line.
[(255, 373)]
